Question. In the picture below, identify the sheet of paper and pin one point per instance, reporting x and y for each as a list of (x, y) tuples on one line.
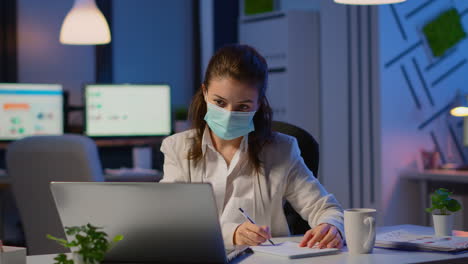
[(292, 250)]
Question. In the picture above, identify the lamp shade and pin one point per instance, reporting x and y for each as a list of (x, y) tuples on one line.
[(368, 2), (85, 25), (459, 106), (459, 111)]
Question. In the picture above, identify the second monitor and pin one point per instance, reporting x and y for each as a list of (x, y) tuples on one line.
[(123, 110), (28, 109)]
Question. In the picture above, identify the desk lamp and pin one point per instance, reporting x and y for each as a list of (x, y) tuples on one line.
[(460, 106)]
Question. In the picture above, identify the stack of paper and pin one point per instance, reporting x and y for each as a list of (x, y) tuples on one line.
[(402, 239)]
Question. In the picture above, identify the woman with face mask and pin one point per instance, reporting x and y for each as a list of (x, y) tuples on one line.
[(232, 147)]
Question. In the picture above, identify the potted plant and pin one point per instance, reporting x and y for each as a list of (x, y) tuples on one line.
[(181, 122), (442, 208), (88, 247)]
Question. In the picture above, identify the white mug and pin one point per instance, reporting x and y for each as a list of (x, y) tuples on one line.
[(360, 230)]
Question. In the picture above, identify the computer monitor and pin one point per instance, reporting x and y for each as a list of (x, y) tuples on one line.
[(30, 109), (127, 110)]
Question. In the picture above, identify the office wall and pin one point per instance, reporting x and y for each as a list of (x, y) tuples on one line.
[(414, 88), (152, 43), (41, 57), (206, 33), (299, 4)]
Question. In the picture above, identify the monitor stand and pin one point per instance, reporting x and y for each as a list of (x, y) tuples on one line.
[(142, 168), (142, 157)]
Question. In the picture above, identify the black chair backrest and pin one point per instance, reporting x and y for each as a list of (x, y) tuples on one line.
[(310, 153), (307, 143)]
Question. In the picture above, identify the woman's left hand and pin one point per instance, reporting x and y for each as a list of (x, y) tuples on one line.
[(327, 235)]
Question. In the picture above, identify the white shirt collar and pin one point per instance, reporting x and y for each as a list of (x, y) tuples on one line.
[(207, 142)]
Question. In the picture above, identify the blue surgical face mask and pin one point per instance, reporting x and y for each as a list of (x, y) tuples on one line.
[(229, 124)]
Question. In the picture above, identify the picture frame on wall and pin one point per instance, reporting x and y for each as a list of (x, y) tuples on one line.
[(438, 42), (258, 7)]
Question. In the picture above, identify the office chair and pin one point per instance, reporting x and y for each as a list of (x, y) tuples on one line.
[(32, 163), (310, 153)]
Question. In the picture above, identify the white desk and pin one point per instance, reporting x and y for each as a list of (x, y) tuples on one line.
[(379, 256), (438, 175)]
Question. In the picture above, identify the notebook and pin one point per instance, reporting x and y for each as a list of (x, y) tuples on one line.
[(292, 250)]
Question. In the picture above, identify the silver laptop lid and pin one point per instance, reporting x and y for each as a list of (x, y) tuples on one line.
[(160, 222)]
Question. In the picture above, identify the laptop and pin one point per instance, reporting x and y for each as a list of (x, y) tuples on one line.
[(160, 222)]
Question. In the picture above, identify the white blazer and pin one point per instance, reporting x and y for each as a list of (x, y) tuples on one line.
[(283, 176)]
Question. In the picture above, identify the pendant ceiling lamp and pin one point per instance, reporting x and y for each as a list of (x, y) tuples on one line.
[(85, 25), (368, 2)]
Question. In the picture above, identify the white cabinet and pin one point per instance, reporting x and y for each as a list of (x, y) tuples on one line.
[(277, 95), (289, 41)]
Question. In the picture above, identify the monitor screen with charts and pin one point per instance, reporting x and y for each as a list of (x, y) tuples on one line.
[(30, 109), (127, 110)]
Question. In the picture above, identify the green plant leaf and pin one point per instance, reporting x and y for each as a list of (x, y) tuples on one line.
[(442, 191), (435, 198), (91, 243), (442, 196), (61, 241), (60, 257), (453, 205), (73, 244), (118, 238), (80, 238), (73, 230)]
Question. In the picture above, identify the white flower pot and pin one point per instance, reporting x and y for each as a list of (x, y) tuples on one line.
[(443, 224)]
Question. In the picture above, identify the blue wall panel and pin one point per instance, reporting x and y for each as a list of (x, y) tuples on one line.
[(415, 92), (153, 44)]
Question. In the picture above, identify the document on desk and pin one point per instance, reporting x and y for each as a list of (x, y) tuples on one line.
[(402, 239), (292, 250)]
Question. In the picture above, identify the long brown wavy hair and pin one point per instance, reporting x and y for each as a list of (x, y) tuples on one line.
[(242, 63)]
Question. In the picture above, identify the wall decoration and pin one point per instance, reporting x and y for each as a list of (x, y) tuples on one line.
[(253, 7), (444, 32)]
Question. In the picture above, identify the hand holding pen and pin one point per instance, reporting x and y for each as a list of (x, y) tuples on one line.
[(251, 234)]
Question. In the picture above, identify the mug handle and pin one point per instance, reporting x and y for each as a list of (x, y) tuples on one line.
[(369, 221)]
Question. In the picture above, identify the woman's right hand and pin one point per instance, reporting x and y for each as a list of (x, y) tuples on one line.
[(251, 234)]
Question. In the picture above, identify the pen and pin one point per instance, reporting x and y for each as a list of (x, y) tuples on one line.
[(252, 221)]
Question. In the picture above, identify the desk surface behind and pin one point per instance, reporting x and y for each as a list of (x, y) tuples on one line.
[(458, 176)]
